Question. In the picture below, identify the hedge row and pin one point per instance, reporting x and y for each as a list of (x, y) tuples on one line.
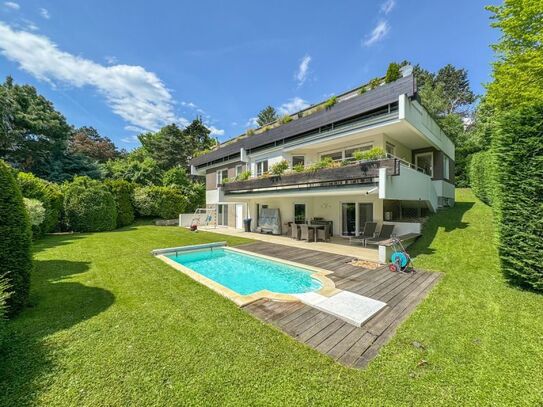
[(122, 194), (4, 295), (164, 202), (518, 199), (482, 174), (15, 241)]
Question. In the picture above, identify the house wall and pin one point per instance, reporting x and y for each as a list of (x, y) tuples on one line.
[(211, 174)]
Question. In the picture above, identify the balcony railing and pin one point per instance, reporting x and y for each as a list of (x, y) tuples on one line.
[(362, 172)]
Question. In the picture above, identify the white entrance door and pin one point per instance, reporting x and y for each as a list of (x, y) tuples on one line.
[(239, 216)]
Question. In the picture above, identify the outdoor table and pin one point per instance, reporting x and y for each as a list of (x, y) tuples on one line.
[(315, 227)]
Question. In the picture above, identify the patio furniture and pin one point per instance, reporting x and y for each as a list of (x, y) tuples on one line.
[(384, 235), (307, 233), (321, 221), (295, 231), (367, 233), (269, 221), (324, 234)]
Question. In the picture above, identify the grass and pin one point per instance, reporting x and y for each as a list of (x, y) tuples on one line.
[(111, 325)]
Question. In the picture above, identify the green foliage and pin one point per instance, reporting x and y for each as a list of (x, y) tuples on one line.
[(518, 70), (250, 132), (89, 206), (285, 119), (325, 162), (49, 194), (35, 211), (279, 168), (393, 72), (518, 150), (162, 202), (122, 194), (176, 177), (4, 295), (266, 116), (15, 240), (330, 102), (298, 168), (137, 168), (374, 153), (195, 197), (482, 173), (245, 175), (88, 142), (362, 90), (375, 83)]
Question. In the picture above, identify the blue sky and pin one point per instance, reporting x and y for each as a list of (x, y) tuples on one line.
[(129, 66)]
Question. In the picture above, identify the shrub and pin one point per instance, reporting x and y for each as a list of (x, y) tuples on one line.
[(330, 102), (245, 175), (163, 202), (195, 197), (325, 162), (4, 295), (89, 206), (279, 168), (176, 177), (250, 132), (122, 194), (517, 146), (35, 211), (375, 83), (374, 153), (393, 72), (15, 240), (50, 194), (362, 90), (298, 168), (285, 119), (482, 176)]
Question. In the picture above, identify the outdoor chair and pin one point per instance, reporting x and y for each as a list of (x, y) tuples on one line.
[(385, 234), (324, 234), (367, 233), (295, 231), (307, 234)]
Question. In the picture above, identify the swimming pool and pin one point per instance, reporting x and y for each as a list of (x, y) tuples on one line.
[(247, 274)]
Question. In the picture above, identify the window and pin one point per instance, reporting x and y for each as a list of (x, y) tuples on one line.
[(425, 161), (239, 169), (345, 154), (446, 167), (298, 160), (261, 167), (299, 213), (221, 176), (336, 155), (350, 151), (390, 148)]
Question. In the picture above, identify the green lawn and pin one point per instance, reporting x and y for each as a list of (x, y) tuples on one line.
[(111, 325)]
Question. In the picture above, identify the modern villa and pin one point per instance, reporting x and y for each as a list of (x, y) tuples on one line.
[(413, 177)]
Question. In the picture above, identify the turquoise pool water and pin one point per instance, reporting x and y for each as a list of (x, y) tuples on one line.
[(247, 274)]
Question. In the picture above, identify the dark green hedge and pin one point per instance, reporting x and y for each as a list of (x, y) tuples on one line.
[(122, 193), (50, 196), (4, 295), (15, 240), (162, 202), (518, 148), (89, 206), (482, 176)]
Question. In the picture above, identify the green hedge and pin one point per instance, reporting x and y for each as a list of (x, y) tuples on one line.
[(518, 152), (89, 206), (122, 193), (15, 240), (482, 172), (49, 194), (4, 295), (162, 202)]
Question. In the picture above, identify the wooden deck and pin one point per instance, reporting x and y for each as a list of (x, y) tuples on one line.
[(340, 340)]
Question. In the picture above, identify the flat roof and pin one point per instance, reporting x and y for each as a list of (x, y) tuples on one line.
[(353, 106)]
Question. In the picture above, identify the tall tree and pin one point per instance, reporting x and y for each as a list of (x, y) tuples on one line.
[(87, 141), (266, 116), (456, 89)]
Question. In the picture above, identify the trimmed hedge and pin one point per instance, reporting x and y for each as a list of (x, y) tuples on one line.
[(518, 201), (49, 194), (15, 240), (89, 206), (122, 193), (482, 173), (4, 295), (162, 202)]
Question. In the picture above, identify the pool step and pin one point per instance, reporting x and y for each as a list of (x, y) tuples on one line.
[(350, 307)]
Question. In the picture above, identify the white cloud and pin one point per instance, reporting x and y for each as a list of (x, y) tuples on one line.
[(379, 32), (252, 122), (136, 95), (12, 5), (189, 104), (387, 6), (303, 68), (45, 13), (215, 131), (234, 123), (111, 60), (293, 105), (135, 129), (130, 140)]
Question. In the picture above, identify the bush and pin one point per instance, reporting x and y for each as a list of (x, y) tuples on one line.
[(15, 240), (163, 202), (517, 146), (195, 197), (49, 194), (373, 154), (245, 175), (325, 162), (35, 212), (482, 176), (298, 168), (279, 168), (285, 119), (375, 83), (393, 72), (330, 102), (122, 194), (4, 295), (89, 206), (176, 177)]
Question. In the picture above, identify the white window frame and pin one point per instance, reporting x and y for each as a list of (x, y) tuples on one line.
[(342, 150), (393, 146), (220, 177), (239, 169), (431, 154), (262, 163), (446, 166), (296, 155)]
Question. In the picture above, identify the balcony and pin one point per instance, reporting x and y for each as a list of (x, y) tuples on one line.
[(363, 172)]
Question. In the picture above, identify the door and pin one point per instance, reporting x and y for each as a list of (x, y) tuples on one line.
[(222, 215), (348, 219), (239, 216), (365, 214), (299, 213)]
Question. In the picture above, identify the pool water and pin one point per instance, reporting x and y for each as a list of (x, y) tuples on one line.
[(246, 274)]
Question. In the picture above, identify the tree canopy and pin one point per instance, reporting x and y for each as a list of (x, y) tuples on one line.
[(87, 141), (266, 116)]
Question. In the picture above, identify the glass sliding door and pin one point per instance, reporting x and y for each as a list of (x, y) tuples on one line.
[(299, 213), (365, 214), (222, 215), (348, 219)]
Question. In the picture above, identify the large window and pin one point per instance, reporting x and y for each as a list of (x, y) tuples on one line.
[(261, 167), (345, 154), (390, 148), (239, 170), (365, 214), (298, 160), (348, 219), (425, 161), (221, 176), (446, 167), (299, 213)]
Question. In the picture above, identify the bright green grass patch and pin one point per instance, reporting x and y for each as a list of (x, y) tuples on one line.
[(112, 325)]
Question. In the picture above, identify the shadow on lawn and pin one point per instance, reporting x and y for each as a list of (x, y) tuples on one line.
[(448, 219), (55, 305)]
